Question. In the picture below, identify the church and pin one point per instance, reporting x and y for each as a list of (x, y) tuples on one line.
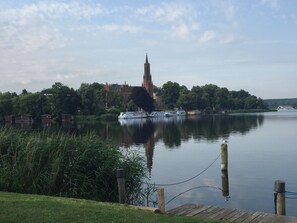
[(147, 78), (126, 90)]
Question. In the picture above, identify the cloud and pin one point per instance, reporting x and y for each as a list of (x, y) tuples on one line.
[(182, 31), (18, 39), (53, 10), (166, 12), (207, 36), (271, 3), (122, 28), (181, 18)]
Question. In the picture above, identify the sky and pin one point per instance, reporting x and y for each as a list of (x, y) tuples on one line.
[(237, 44)]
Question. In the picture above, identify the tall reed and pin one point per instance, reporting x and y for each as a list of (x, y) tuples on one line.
[(68, 165)]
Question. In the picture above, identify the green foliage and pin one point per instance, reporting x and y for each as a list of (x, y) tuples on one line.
[(62, 99), (6, 103), (209, 98), (66, 165), (142, 99), (170, 94), (92, 98), (34, 104)]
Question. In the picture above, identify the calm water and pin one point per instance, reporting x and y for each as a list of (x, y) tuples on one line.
[(262, 148)]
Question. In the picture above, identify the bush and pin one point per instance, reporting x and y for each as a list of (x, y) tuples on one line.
[(67, 165)]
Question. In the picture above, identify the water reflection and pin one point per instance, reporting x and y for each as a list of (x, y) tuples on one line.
[(172, 131), (225, 184)]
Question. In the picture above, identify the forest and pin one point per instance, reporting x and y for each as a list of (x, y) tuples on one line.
[(93, 99)]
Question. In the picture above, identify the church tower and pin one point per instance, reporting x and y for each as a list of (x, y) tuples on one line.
[(147, 78)]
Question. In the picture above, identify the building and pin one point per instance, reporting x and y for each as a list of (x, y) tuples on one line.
[(125, 90), (147, 78)]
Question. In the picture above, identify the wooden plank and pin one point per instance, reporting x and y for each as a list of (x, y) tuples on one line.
[(252, 217), (260, 217), (291, 219), (208, 212), (225, 214), (243, 217), (275, 219), (221, 213), (180, 208), (190, 209), (213, 212), (199, 210), (237, 215), (232, 215)]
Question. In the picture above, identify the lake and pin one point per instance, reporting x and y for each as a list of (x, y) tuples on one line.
[(183, 156), (262, 148)]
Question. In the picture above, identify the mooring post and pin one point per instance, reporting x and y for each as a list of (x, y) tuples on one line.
[(224, 157), (161, 200), (121, 185), (280, 198)]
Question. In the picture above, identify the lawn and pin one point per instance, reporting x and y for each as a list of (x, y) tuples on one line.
[(36, 209)]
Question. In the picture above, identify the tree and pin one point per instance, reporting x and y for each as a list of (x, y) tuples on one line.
[(185, 99), (62, 99), (6, 103), (92, 98), (208, 95), (142, 99), (170, 94), (250, 102), (221, 98), (34, 104)]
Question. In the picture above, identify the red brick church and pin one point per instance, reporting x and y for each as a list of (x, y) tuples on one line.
[(125, 90)]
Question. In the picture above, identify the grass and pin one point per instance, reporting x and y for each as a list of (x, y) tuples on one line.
[(69, 165), (25, 208)]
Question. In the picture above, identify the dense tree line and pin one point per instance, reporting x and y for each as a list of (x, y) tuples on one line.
[(209, 98), (92, 99)]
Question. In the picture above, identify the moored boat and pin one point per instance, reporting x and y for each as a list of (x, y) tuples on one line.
[(131, 115), (170, 113), (181, 112), (157, 114)]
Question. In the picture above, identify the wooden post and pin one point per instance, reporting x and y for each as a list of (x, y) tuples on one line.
[(161, 200), (224, 157), (121, 185), (280, 203)]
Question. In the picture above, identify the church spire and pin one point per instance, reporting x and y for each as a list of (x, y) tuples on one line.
[(147, 78)]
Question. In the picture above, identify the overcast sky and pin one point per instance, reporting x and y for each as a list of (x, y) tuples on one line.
[(238, 44)]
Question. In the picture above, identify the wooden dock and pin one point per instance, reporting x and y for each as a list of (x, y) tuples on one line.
[(232, 215)]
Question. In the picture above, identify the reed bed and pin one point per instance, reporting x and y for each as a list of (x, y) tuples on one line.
[(61, 164)]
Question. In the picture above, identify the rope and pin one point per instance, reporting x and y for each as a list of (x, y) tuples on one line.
[(184, 181), (217, 188), (291, 193), (292, 198)]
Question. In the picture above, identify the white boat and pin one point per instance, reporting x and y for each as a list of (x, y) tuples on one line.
[(157, 114), (131, 115), (170, 113), (180, 112)]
